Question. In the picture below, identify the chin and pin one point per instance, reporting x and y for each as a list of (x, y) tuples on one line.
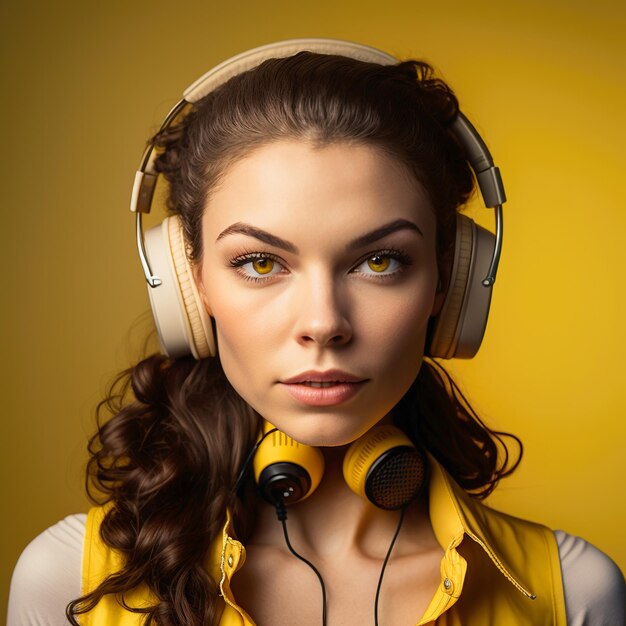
[(325, 430)]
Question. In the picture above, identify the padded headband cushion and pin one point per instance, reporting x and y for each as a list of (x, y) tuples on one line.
[(251, 58)]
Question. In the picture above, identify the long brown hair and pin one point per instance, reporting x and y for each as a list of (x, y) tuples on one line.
[(169, 456)]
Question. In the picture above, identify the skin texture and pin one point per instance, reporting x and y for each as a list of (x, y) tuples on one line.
[(319, 308), (323, 307)]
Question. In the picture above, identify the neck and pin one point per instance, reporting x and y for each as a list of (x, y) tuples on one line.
[(334, 520)]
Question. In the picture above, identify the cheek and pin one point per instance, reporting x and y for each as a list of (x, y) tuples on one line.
[(400, 319), (397, 335), (247, 336), (241, 337)]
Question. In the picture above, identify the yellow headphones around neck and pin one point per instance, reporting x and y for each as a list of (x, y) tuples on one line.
[(182, 322), (382, 466)]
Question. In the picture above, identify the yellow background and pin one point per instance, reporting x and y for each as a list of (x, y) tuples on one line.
[(84, 84)]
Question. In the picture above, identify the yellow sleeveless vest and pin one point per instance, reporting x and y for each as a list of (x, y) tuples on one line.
[(496, 569)]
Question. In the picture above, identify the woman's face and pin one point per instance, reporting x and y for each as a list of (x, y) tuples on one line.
[(317, 260)]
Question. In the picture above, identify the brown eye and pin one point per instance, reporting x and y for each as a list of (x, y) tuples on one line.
[(378, 263), (257, 266), (383, 264), (263, 266)]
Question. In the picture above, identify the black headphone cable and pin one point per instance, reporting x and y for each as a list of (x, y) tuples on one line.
[(281, 514), (382, 571), (246, 465)]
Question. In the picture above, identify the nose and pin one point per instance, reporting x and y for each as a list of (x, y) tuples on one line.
[(322, 313)]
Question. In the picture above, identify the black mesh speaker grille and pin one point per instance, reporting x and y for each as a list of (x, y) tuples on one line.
[(395, 478)]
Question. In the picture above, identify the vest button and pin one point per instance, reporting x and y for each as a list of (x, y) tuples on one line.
[(230, 561)]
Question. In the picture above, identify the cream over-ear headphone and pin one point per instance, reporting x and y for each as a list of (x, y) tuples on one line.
[(182, 322)]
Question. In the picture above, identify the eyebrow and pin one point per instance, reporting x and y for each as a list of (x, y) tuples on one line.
[(359, 242), (383, 231), (262, 235)]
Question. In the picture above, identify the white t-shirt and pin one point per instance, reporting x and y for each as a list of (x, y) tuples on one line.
[(48, 576)]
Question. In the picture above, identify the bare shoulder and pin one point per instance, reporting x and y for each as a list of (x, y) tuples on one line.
[(48, 575), (595, 592)]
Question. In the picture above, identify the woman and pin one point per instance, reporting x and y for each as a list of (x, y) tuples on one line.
[(316, 241)]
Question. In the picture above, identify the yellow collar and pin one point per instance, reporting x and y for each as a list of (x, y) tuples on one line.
[(453, 514)]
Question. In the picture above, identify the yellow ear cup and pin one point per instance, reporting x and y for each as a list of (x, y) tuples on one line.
[(385, 467), (202, 338), (286, 470)]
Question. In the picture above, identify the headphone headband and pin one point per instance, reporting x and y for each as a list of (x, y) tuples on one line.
[(244, 61)]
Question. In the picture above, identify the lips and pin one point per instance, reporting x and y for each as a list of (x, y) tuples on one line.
[(327, 388), (330, 376)]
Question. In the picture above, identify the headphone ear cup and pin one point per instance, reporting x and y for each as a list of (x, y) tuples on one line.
[(385, 467), (457, 331), (285, 470), (181, 319)]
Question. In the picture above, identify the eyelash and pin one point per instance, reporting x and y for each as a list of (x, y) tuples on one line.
[(245, 257)]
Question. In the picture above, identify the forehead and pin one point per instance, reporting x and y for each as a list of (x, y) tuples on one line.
[(297, 189)]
